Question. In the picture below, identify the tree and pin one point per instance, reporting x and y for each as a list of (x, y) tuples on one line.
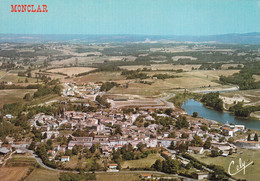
[(196, 140), (207, 143), (75, 150), (44, 136), (221, 139), (183, 147), (118, 130), (168, 111), (182, 122), (249, 137), (32, 146), (140, 146), (214, 153), (157, 165), (185, 135), (172, 135), (231, 140), (68, 152), (194, 114), (256, 137), (93, 148), (172, 146)]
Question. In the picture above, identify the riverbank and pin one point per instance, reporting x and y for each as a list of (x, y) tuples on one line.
[(216, 89)]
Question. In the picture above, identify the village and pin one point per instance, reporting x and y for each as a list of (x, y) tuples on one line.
[(111, 130)]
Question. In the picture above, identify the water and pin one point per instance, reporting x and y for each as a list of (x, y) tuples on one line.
[(191, 106)]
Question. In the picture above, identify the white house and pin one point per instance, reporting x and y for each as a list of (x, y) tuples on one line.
[(65, 158)]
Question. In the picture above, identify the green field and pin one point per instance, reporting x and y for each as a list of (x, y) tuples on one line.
[(251, 173), (142, 163), (9, 96), (41, 174)]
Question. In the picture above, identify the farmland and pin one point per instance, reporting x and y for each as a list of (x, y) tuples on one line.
[(71, 71), (13, 173), (9, 96), (142, 163), (41, 174)]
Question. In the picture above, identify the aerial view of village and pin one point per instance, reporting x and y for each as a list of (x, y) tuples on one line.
[(130, 90)]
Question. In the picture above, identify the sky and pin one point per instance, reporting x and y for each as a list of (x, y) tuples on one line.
[(144, 17)]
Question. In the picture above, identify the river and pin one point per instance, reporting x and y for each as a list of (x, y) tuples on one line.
[(191, 106)]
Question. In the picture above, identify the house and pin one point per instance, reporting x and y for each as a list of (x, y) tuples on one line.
[(166, 142), (63, 147), (198, 150), (227, 131), (19, 151), (145, 176), (4, 151), (167, 154), (254, 145), (202, 175), (112, 166), (56, 147), (9, 116), (65, 158)]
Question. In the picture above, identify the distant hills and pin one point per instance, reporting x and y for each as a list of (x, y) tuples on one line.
[(246, 38)]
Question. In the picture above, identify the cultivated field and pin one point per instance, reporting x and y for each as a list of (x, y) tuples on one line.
[(14, 78), (142, 163), (13, 173), (209, 74), (100, 77), (71, 71), (9, 96), (41, 174)]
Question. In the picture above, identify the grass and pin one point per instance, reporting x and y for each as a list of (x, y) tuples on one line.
[(100, 77), (20, 161), (76, 163), (2, 72), (252, 172), (9, 96), (160, 86), (12, 173), (13, 77), (117, 176), (142, 163), (41, 174)]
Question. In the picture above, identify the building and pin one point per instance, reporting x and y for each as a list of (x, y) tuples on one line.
[(198, 150), (112, 167), (254, 145), (228, 131), (146, 176), (202, 175), (65, 158)]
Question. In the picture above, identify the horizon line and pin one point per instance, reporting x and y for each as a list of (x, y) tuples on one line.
[(127, 34)]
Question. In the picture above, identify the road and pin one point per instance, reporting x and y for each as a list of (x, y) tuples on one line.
[(4, 75)]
